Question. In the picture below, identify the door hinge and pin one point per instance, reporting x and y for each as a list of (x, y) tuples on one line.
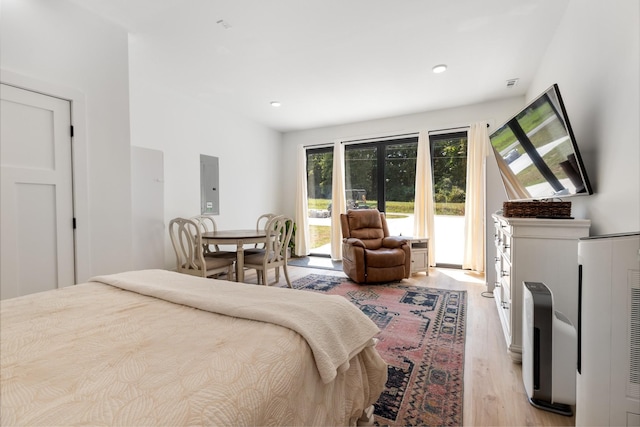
[(74, 223), (71, 127)]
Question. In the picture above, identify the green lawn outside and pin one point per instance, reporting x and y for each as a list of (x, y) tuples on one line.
[(321, 234), (397, 207)]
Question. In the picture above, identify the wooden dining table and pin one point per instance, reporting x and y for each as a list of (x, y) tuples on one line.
[(238, 238)]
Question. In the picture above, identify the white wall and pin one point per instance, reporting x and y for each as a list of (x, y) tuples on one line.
[(64, 50), (595, 59), (61, 50), (183, 128)]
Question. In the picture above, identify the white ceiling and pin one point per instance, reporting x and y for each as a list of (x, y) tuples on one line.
[(335, 61)]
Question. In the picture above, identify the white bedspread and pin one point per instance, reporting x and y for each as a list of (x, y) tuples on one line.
[(95, 354)]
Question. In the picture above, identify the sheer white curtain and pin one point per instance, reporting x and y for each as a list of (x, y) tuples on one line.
[(338, 202), (514, 189), (474, 207), (301, 216), (424, 208)]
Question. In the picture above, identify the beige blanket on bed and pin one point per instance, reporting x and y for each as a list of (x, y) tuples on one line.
[(95, 354), (335, 329)]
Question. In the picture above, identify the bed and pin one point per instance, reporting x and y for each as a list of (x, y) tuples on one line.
[(156, 347)]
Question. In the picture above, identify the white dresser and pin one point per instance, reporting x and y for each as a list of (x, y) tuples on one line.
[(535, 250)]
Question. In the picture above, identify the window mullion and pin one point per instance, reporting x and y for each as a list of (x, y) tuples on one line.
[(381, 152)]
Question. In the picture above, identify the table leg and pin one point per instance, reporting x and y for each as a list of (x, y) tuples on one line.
[(240, 262)]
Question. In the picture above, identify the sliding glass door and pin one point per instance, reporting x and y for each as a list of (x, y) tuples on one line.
[(382, 175), (378, 174)]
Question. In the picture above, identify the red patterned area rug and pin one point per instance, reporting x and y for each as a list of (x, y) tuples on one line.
[(422, 340)]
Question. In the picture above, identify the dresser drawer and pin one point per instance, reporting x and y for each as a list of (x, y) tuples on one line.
[(505, 271), (503, 240), (505, 302), (506, 246)]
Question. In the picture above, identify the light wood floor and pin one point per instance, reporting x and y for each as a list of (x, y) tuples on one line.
[(494, 394)]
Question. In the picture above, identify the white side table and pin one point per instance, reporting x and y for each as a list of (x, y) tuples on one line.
[(419, 254)]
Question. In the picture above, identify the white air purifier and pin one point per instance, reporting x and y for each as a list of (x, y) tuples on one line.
[(549, 352)]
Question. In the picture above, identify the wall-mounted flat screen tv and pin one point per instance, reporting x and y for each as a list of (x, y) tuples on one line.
[(537, 152)]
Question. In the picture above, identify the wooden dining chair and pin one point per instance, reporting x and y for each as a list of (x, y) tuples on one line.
[(207, 224), (186, 239), (278, 230), (259, 248)]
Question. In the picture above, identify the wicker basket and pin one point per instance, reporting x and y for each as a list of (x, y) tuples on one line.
[(536, 209)]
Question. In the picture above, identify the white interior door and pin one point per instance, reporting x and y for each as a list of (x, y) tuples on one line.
[(37, 245)]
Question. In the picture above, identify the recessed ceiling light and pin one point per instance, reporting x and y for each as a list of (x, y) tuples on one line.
[(275, 104), (441, 68)]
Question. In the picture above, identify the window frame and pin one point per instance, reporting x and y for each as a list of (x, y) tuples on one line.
[(380, 146)]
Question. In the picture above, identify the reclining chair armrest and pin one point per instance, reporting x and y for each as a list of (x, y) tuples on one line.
[(353, 259), (353, 250), (353, 242), (394, 242)]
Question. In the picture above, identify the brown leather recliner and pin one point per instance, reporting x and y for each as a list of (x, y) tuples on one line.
[(369, 254)]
